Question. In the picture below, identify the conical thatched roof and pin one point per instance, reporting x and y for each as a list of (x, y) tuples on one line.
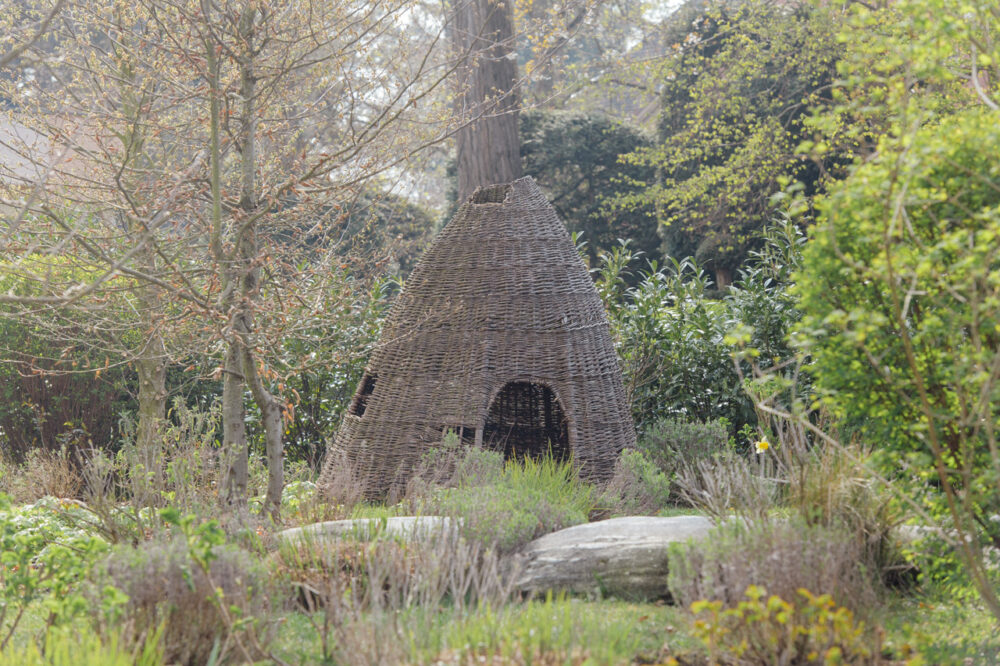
[(499, 336)]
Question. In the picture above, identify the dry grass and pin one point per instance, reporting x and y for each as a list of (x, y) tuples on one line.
[(353, 591), (780, 556), (44, 472)]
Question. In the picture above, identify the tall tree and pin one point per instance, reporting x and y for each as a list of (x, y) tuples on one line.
[(252, 127), (488, 97)]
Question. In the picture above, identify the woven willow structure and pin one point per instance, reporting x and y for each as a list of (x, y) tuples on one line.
[(499, 336)]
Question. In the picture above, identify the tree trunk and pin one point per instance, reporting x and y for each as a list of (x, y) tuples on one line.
[(235, 471), (250, 282), (489, 149), (235, 477), (274, 445), (152, 371)]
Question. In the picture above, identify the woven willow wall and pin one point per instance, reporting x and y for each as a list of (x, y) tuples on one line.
[(500, 336)]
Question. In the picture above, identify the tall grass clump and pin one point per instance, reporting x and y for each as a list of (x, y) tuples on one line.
[(529, 498), (66, 648), (500, 504)]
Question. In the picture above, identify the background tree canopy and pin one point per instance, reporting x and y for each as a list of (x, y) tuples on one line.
[(740, 82), (575, 158)]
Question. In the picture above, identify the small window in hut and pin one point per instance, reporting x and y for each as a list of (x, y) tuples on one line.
[(490, 194), (526, 419), (360, 402)]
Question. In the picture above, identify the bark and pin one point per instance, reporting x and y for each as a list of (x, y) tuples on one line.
[(235, 471), (235, 478), (723, 277), (270, 409), (489, 149), (273, 421), (152, 372)]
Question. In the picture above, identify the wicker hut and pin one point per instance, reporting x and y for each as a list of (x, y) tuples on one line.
[(499, 336)]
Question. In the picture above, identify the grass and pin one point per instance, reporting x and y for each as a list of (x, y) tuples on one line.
[(941, 629), (575, 631), (553, 631)]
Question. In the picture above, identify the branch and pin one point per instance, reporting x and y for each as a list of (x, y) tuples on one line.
[(42, 28)]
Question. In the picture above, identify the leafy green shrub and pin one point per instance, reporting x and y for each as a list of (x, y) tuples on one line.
[(210, 599), (637, 486), (672, 442), (44, 557), (575, 159), (901, 296), (762, 632), (674, 334), (525, 500), (782, 556)]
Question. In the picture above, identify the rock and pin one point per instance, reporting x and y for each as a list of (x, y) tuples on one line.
[(623, 557), (418, 528)]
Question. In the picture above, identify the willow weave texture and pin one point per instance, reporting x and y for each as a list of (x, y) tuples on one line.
[(499, 336)]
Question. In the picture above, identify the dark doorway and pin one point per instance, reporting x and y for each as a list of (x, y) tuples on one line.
[(526, 419)]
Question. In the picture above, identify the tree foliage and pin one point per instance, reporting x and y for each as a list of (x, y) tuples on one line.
[(900, 283), (575, 159), (740, 82)]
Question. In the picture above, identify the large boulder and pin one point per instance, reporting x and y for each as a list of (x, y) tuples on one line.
[(623, 557)]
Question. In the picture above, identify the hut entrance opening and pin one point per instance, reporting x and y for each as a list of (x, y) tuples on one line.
[(526, 419)]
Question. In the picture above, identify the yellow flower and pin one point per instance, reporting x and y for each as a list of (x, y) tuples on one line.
[(762, 446)]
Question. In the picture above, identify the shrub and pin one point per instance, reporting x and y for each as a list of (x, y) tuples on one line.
[(386, 573), (637, 487), (222, 609), (348, 587), (452, 464), (730, 484), (674, 333), (782, 556), (575, 159), (899, 287), (43, 473), (44, 556), (759, 631), (672, 442), (506, 507)]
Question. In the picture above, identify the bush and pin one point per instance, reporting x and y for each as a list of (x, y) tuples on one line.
[(781, 556), (44, 557), (816, 485), (506, 505), (345, 575), (676, 335), (44, 473), (575, 159), (222, 610), (350, 589), (672, 442), (901, 296), (638, 486), (762, 632)]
